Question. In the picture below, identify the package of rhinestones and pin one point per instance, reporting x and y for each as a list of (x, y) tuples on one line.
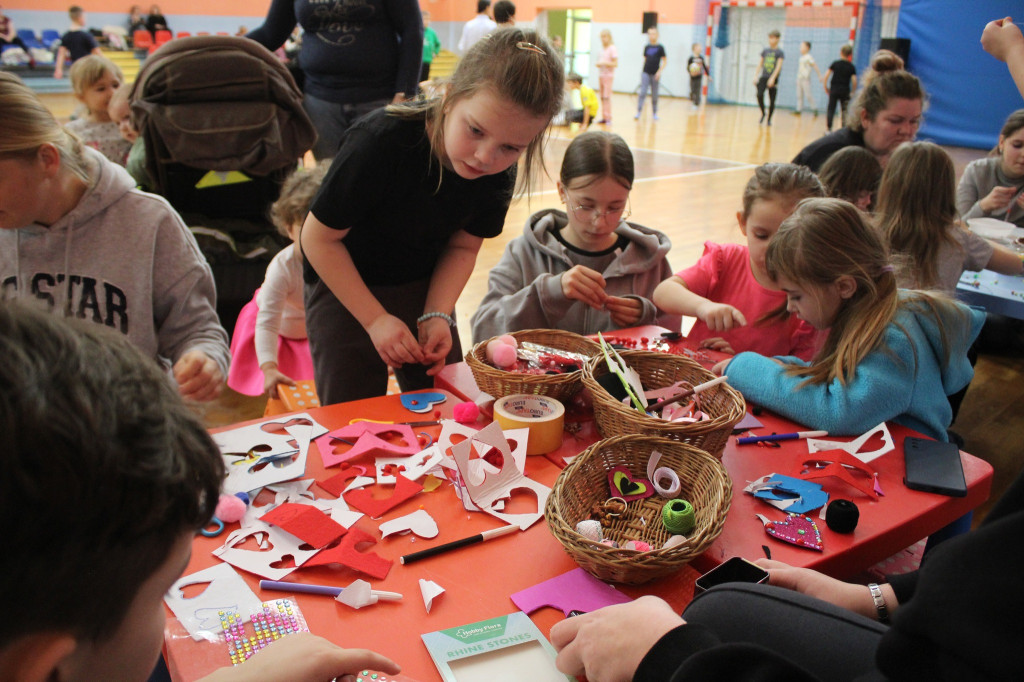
[(274, 620)]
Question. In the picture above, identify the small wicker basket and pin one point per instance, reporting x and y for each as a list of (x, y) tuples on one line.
[(500, 383), (705, 484), (722, 403)]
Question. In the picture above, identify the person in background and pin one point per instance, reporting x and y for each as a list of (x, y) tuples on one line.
[(95, 80), (887, 113), (993, 187), (650, 77), (120, 112), (803, 79), (156, 21), (843, 75), (136, 21), (697, 67), (76, 43), (606, 65), (9, 36), (477, 27), (769, 69), (853, 174), (86, 413), (355, 57), (504, 13), (588, 98), (585, 269), (431, 47)]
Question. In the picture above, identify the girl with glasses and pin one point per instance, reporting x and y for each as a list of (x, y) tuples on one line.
[(736, 304), (584, 269)]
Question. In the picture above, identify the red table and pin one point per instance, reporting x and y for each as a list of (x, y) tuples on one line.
[(478, 580)]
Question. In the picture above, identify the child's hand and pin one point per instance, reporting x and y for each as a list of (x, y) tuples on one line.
[(625, 311), (303, 657), (998, 199), (198, 377), (719, 344), (720, 317), (583, 284), (719, 369), (436, 342), (394, 342), (272, 376), (1001, 37)]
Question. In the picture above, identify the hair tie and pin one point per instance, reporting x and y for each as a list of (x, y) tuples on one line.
[(888, 268), (523, 45)]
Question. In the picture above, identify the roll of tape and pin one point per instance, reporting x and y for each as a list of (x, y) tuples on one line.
[(542, 415), (677, 515)]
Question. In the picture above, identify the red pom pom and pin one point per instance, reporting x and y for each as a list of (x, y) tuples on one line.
[(229, 509)]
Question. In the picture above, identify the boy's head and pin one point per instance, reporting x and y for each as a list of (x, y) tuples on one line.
[(120, 111), (482, 6), (695, 48), (426, 18), (773, 37), (94, 79), (574, 80), (846, 51), (77, 15), (109, 475), (652, 34), (805, 47), (297, 192), (504, 12)]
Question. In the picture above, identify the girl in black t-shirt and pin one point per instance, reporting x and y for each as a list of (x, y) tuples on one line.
[(392, 237)]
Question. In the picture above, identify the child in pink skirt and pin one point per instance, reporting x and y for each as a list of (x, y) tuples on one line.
[(269, 346)]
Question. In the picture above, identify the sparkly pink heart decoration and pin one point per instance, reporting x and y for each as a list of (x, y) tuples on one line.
[(797, 530)]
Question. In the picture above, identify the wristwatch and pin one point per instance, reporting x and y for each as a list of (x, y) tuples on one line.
[(879, 599)]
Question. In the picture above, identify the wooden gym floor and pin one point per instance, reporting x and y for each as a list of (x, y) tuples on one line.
[(691, 169)]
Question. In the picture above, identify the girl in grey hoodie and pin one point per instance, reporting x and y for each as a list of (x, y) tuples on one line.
[(78, 239)]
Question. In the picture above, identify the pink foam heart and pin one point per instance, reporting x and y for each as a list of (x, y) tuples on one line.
[(796, 529)]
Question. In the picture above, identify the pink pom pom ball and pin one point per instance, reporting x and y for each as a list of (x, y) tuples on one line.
[(465, 413), (501, 354), (229, 509)]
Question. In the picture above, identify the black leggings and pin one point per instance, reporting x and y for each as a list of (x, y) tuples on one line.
[(843, 99), (762, 85)]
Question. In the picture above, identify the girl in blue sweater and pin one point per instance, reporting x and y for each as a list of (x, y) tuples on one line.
[(890, 354)]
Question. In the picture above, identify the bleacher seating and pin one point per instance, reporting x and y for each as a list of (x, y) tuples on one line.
[(28, 36), (142, 40), (50, 38), (163, 37)]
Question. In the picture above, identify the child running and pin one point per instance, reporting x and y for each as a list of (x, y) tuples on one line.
[(94, 80), (584, 269), (917, 215), (736, 304), (393, 235), (269, 346), (889, 355)]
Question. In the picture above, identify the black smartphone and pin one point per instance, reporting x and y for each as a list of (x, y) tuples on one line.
[(934, 467), (734, 570)]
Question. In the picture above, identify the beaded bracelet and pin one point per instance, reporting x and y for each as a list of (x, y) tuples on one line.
[(444, 316)]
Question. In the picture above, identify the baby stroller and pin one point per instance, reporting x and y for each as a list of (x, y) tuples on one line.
[(223, 126)]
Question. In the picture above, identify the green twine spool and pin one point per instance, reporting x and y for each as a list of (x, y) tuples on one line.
[(677, 515)]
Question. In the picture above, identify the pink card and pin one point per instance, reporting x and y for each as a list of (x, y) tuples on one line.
[(576, 590)]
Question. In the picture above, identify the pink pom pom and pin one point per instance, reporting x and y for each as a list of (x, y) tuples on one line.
[(501, 354), (229, 509), (509, 340), (465, 413)]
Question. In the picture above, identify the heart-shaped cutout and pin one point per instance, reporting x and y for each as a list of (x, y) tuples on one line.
[(521, 501), (422, 402), (627, 486), (795, 529), (193, 590)]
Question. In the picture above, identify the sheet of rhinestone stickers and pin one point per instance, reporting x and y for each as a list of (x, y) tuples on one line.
[(275, 620)]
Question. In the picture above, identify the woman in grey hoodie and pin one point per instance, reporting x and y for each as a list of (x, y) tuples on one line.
[(585, 269), (78, 239)]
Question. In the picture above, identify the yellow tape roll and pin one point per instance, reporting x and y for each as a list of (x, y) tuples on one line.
[(542, 415)]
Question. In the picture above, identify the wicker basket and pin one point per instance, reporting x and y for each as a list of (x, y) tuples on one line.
[(722, 403), (705, 484), (499, 383)]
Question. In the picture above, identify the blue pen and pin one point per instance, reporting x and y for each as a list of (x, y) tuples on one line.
[(781, 436)]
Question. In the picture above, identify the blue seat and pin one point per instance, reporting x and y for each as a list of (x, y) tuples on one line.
[(28, 36), (51, 39)]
